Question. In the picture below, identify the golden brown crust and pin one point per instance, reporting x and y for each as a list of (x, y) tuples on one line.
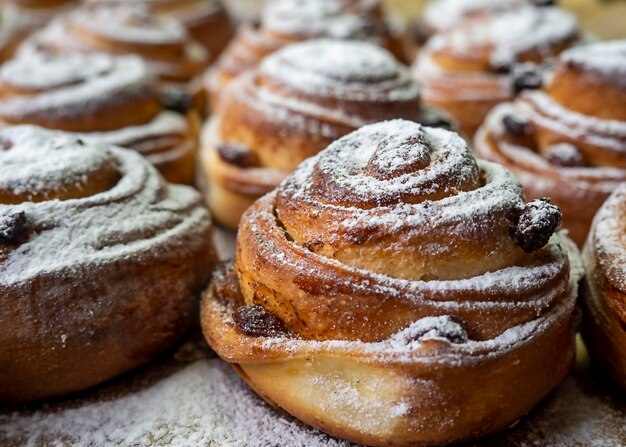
[(288, 21), (362, 300), (207, 21), (445, 15), (467, 70), (569, 141), (128, 29), (114, 99), (604, 291), (294, 104), (100, 261)]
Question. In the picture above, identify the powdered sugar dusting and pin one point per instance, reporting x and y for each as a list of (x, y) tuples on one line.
[(604, 58), (329, 18), (608, 238), (511, 34), (139, 216), (347, 69), (445, 14), (71, 84)]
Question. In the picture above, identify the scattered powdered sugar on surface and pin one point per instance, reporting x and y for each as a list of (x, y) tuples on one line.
[(204, 403)]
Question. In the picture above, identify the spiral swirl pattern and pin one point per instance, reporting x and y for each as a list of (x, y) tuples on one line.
[(113, 99), (605, 287), (569, 140), (288, 21), (207, 21), (100, 259), (440, 16), (390, 258), (125, 29), (468, 70), (294, 104)]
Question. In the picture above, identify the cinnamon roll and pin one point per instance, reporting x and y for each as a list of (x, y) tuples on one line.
[(287, 21), (604, 291), (114, 99), (395, 291), (128, 29), (207, 21), (470, 69), (444, 15), (100, 260), (293, 105), (568, 140)]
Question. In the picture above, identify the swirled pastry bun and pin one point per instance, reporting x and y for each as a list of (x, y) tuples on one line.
[(207, 21), (395, 291), (604, 291), (444, 15), (101, 97), (126, 29), (288, 21), (468, 70), (568, 140), (100, 262), (293, 105)]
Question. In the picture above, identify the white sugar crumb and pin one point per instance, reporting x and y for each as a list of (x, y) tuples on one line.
[(430, 328), (204, 404)]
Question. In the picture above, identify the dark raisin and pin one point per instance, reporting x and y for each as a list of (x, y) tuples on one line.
[(434, 118), (516, 126), (544, 2), (533, 223), (526, 78), (566, 155), (420, 33), (255, 23), (177, 99), (502, 67), (255, 321), (314, 245), (12, 226), (237, 154)]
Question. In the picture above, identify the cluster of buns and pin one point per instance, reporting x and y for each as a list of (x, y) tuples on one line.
[(399, 278)]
